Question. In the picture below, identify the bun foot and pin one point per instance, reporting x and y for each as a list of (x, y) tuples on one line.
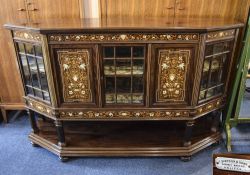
[(185, 158), (63, 159), (34, 144)]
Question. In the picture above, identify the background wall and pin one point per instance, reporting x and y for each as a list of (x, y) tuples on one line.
[(91, 8)]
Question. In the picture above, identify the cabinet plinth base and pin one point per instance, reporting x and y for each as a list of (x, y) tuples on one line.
[(123, 139)]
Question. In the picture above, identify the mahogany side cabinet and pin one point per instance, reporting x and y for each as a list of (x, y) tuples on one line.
[(125, 87)]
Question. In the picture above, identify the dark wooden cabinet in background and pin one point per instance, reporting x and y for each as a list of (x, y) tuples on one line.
[(123, 89)]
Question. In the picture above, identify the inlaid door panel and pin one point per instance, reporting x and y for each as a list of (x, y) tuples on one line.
[(171, 83), (76, 75)]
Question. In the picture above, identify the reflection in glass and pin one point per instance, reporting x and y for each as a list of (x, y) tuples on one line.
[(110, 98), (215, 63), (123, 98), (138, 51), (110, 84), (204, 80), (32, 63), (123, 51), (108, 52), (123, 84), (38, 50), (217, 48), (40, 65), (206, 65), (21, 47), (138, 68), (202, 95), (29, 49), (25, 69), (210, 93), (123, 67), (29, 90), (38, 93), (137, 98), (109, 68), (137, 84), (46, 96), (44, 83)]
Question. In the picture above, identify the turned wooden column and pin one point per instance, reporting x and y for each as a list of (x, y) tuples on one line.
[(33, 123), (188, 133), (60, 133)]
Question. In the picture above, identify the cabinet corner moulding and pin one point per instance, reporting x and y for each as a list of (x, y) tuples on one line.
[(23, 35), (74, 66), (122, 37), (173, 65)]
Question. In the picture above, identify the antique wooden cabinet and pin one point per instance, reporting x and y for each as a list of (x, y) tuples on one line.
[(125, 86)]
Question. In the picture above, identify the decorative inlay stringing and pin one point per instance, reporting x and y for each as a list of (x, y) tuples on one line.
[(220, 34), (123, 37), (39, 107), (27, 36), (74, 66), (123, 114), (172, 74)]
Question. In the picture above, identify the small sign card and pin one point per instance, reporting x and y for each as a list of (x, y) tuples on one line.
[(231, 164)]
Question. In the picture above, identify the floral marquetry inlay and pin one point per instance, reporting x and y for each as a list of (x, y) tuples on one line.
[(220, 34), (74, 65), (27, 36), (124, 114), (172, 74), (123, 37)]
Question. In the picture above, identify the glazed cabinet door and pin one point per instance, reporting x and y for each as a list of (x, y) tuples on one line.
[(171, 74), (75, 71), (123, 71)]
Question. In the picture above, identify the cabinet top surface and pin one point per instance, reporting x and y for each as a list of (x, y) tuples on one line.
[(128, 24)]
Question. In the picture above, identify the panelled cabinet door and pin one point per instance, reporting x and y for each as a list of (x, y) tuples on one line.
[(170, 69), (76, 75)]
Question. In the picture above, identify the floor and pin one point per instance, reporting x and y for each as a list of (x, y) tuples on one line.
[(17, 157)]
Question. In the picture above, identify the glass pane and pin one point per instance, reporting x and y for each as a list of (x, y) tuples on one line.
[(138, 51), (40, 65), (123, 51), (38, 93), (109, 68), (123, 84), (138, 67), (25, 69), (137, 98), (29, 90), (218, 90), (204, 80), (214, 77), (210, 93), (46, 96), (137, 84), (108, 52), (21, 47), (29, 49), (202, 95), (44, 83), (33, 71), (123, 67), (110, 98), (217, 48), (110, 84), (123, 98), (215, 63), (206, 65), (39, 51)]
